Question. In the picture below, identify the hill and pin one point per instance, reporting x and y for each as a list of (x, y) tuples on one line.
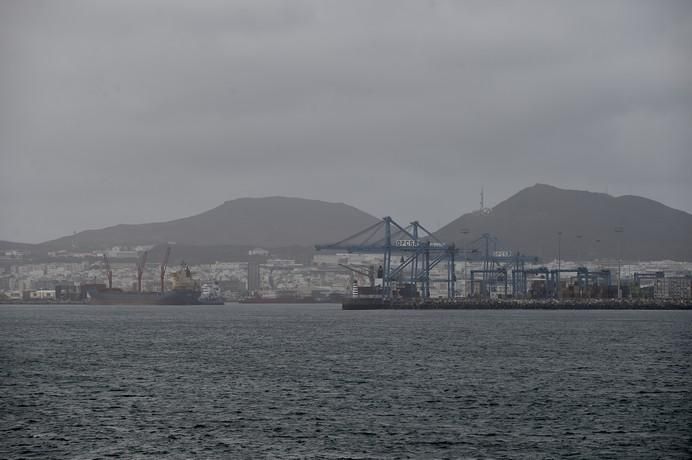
[(12, 246), (529, 222), (256, 222)]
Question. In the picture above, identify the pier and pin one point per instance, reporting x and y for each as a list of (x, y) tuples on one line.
[(516, 304)]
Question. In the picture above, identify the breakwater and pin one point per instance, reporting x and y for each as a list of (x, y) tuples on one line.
[(516, 304)]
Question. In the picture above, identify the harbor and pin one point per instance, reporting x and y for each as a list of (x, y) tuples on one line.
[(415, 261)]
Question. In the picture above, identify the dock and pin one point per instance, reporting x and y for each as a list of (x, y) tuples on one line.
[(515, 304)]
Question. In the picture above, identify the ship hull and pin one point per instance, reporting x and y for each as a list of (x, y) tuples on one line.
[(285, 300), (175, 297), (216, 301)]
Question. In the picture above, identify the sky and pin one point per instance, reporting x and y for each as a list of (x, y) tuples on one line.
[(137, 111)]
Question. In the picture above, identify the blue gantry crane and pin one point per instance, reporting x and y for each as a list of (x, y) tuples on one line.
[(411, 253), (496, 266), (419, 250)]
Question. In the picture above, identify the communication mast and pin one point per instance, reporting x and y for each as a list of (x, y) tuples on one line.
[(485, 211)]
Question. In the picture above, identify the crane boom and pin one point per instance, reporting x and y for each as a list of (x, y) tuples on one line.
[(109, 272), (164, 264), (370, 273), (141, 263)]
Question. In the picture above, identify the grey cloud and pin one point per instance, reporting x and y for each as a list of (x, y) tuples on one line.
[(131, 112)]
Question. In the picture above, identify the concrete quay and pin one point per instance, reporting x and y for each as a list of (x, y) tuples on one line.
[(516, 304)]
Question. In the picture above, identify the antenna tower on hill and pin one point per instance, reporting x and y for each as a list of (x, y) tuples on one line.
[(484, 210)]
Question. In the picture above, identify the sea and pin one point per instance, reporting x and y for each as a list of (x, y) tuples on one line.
[(313, 381)]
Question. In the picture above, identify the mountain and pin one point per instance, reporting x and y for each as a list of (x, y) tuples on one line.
[(529, 222), (12, 246), (197, 254), (255, 222)]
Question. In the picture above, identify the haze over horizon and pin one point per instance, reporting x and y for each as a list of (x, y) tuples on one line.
[(127, 112)]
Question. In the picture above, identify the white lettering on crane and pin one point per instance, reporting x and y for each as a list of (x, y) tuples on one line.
[(407, 243)]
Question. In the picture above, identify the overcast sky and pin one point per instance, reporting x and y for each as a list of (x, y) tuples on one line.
[(138, 111)]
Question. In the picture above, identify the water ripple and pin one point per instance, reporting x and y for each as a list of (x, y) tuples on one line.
[(313, 381)]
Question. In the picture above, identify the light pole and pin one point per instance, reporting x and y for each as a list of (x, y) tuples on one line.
[(619, 230), (559, 243), (464, 232)]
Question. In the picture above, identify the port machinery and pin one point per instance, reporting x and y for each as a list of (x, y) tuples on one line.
[(496, 266), (421, 251), (585, 280), (500, 267)]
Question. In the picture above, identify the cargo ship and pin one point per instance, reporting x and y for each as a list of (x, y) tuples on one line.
[(185, 291)]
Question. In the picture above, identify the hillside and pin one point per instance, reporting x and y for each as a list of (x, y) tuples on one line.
[(530, 221), (265, 222), (12, 246)]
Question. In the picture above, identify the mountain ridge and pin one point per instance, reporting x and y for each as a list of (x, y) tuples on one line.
[(530, 220), (265, 221)]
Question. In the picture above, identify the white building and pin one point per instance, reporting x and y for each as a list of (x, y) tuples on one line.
[(42, 294), (675, 288)]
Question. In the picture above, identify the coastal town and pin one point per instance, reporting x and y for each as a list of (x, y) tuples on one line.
[(62, 277)]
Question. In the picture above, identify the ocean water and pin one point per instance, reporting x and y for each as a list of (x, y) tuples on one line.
[(312, 381)]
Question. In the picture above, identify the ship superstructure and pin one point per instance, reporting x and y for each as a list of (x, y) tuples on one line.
[(211, 294)]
